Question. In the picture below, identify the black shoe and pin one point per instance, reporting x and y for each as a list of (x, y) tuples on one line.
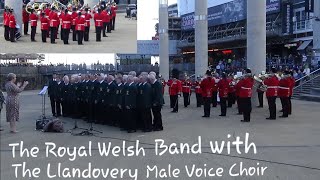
[(205, 116), (33, 41), (174, 111), (147, 130), (131, 131), (53, 43), (158, 129), (269, 118), (245, 121), (259, 106), (283, 116), (222, 115)]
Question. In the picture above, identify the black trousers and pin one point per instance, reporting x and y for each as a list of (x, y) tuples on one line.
[(25, 28), (223, 104), (285, 106), (74, 33), (272, 107), (104, 29), (245, 104), (91, 112), (109, 27), (33, 32), (53, 32), (66, 33), (86, 33), (157, 118), (76, 109), (65, 108), (53, 106), (214, 99), (231, 98), (131, 123), (175, 101), (113, 23), (6, 33), (98, 34), (12, 34), (44, 35), (122, 118), (207, 106), (146, 119), (186, 99), (260, 97), (239, 105), (290, 106), (58, 107), (171, 102), (199, 100), (80, 36)]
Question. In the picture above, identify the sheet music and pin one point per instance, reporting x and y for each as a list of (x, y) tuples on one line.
[(43, 91)]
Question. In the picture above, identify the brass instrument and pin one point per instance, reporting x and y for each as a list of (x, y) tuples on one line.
[(58, 6)]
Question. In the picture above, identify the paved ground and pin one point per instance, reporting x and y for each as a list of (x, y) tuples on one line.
[(290, 147), (122, 40)]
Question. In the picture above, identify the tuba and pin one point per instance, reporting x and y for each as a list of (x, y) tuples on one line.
[(58, 5)]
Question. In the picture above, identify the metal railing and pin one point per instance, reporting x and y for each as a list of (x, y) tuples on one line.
[(306, 80)]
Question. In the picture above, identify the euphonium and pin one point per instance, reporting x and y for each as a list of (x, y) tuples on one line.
[(36, 6)]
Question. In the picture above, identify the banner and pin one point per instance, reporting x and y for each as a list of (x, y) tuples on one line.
[(287, 15), (232, 11)]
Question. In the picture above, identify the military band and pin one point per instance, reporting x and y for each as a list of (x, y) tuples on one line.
[(65, 17)]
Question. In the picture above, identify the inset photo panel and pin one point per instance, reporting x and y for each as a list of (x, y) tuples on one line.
[(65, 26)]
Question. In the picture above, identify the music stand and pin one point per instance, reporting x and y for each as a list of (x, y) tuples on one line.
[(43, 119)]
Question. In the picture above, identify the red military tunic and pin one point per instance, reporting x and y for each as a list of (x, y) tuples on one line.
[(33, 20), (223, 86), (206, 87), (12, 21), (284, 87), (25, 16), (293, 82), (98, 18), (47, 12), (80, 23), (197, 87), (215, 87), (186, 86), (231, 88), (113, 11), (87, 18), (6, 17), (272, 83), (174, 87), (244, 87), (44, 23), (74, 16), (66, 21), (106, 16), (60, 17), (54, 19)]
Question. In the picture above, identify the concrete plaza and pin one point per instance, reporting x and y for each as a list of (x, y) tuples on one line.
[(122, 40), (289, 147)]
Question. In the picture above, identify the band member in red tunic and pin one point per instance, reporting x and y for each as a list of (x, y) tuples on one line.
[(6, 17), (66, 25), (215, 91), (223, 86), (44, 27), (33, 22), (114, 9), (231, 91), (284, 93), (186, 90), (74, 16), (88, 18), (198, 91), (80, 28), (272, 92), (54, 24), (206, 87), (25, 20), (175, 88), (244, 86), (106, 21), (98, 18), (12, 26)]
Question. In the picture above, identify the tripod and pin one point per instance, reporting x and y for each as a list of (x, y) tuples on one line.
[(88, 132)]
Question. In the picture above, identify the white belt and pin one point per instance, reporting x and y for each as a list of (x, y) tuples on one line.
[(53, 20), (284, 88), (11, 21), (44, 23), (87, 20), (197, 86), (98, 20), (245, 88), (80, 24), (33, 20), (272, 87), (186, 86), (66, 21)]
